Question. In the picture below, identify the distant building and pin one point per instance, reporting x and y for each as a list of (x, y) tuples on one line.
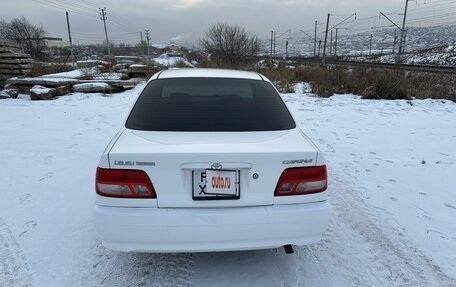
[(56, 43)]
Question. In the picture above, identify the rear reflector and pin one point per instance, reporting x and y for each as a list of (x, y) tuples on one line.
[(124, 183), (302, 180)]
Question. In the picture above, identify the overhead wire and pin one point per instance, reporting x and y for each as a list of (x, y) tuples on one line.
[(60, 7), (89, 9)]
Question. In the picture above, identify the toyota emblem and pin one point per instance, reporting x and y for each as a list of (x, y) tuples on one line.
[(216, 166)]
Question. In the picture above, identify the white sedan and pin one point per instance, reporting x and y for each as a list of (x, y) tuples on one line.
[(210, 160)]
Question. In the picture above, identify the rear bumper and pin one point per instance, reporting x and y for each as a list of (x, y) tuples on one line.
[(210, 229)]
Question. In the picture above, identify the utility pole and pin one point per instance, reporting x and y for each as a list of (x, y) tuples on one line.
[(69, 37), (402, 42), (319, 48), (272, 37), (326, 40), (275, 34), (331, 44), (140, 34), (370, 44), (326, 33), (104, 18), (405, 40), (148, 39), (395, 41), (315, 39), (286, 49), (335, 43)]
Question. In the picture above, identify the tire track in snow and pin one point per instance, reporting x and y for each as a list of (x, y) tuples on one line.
[(362, 249), (14, 270), (111, 268)]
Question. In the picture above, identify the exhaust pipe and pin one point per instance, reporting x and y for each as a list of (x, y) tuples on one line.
[(288, 249)]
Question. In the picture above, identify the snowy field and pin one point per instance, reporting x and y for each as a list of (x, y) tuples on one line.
[(392, 170)]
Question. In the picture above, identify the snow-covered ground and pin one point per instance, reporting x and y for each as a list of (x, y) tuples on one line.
[(430, 58), (93, 73), (76, 73), (171, 61), (392, 169), (438, 56)]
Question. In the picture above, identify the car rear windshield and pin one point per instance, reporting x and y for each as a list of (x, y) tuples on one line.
[(209, 104)]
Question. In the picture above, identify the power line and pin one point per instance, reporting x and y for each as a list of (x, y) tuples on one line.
[(120, 25), (86, 3), (74, 5), (97, 34), (127, 22), (62, 8), (71, 6)]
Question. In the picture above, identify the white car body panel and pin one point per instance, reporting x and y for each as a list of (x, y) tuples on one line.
[(210, 229), (175, 222), (177, 154)]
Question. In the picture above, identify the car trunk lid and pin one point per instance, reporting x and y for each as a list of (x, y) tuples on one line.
[(175, 160)]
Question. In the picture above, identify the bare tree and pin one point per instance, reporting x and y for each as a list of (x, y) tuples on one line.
[(22, 31), (229, 43)]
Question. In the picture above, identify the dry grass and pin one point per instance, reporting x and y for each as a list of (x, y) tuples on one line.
[(386, 84), (87, 73), (283, 78), (107, 68), (433, 86), (40, 69), (100, 72), (203, 62), (369, 83)]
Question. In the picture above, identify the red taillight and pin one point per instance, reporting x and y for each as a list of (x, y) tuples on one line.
[(124, 183), (302, 180)]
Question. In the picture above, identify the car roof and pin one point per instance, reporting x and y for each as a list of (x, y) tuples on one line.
[(207, 73)]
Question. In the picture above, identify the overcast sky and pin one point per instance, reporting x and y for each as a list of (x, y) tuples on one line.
[(188, 19)]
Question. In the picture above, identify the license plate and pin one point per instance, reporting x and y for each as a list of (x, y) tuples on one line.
[(216, 184)]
